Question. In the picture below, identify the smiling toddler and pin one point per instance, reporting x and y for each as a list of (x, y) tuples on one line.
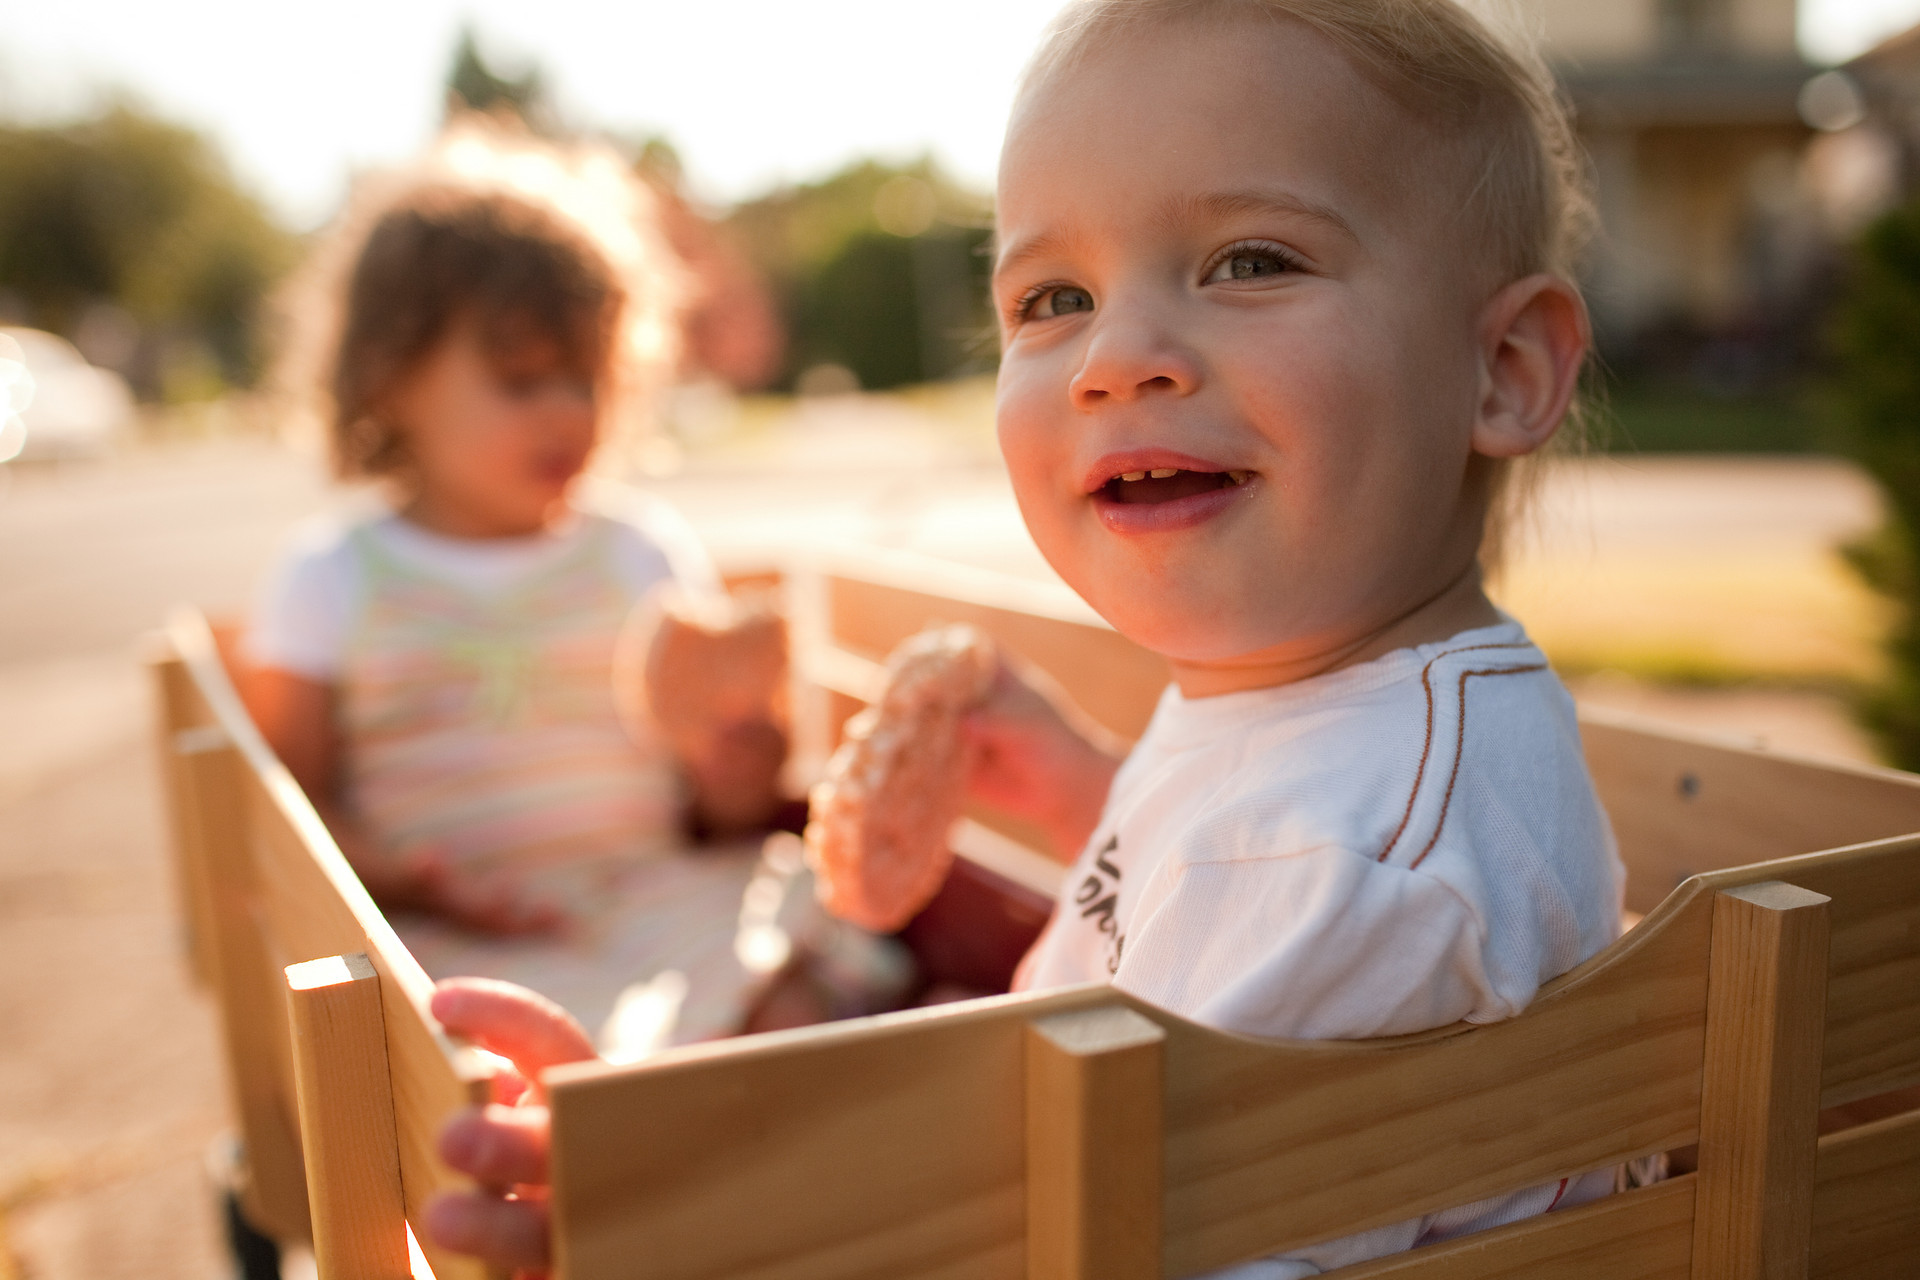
[(1284, 288)]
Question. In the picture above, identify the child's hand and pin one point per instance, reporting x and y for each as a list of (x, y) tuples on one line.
[(735, 774), (503, 1146), (710, 676), (1033, 755)]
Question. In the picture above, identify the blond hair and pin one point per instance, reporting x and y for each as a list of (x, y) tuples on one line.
[(1483, 87), (517, 235)]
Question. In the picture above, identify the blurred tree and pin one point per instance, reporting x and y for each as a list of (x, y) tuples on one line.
[(879, 268), (129, 214), (472, 85), (731, 329), (1876, 340)]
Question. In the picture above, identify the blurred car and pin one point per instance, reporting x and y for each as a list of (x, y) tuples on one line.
[(53, 404)]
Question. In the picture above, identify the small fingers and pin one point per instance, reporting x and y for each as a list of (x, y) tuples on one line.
[(507, 1233), (498, 1146), (511, 1021)]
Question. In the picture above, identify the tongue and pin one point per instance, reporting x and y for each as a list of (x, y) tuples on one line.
[(1181, 484)]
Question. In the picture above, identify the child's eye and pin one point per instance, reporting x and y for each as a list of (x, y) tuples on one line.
[(1254, 260), (1050, 300)]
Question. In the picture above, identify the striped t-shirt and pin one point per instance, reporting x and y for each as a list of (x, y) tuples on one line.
[(474, 686)]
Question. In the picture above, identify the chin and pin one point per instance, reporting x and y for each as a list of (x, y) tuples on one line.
[(1181, 629)]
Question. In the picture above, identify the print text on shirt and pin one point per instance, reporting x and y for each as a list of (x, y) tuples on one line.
[(1098, 898)]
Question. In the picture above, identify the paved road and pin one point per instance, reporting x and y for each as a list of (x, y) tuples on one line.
[(109, 1090)]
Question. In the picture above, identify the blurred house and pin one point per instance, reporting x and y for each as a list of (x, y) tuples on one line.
[(1887, 141), (1691, 113)]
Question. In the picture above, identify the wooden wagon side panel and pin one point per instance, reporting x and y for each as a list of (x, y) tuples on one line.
[(885, 1148), (892, 1148), (288, 896)]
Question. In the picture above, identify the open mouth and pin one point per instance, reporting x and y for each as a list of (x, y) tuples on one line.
[(1168, 484)]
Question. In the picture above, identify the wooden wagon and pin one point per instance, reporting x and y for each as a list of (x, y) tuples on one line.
[(1080, 1133)]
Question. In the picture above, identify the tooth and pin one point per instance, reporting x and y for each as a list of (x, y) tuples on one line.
[(1239, 477), (1164, 473), (1131, 476)]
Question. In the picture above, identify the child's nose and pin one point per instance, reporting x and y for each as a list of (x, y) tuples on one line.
[(1129, 361)]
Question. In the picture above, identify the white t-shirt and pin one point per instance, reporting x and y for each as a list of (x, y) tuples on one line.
[(306, 614), (1385, 849)]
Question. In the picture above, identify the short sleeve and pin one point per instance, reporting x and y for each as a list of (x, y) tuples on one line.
[(1320, 945), (659, 546), (306, 611)]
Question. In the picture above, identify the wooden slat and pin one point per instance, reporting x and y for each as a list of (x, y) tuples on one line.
[(1682, 806), (1095, 1084), (1866, 1202), (1873, 965), (318, 908), (253, 1024), (1760, 1091), (884, 1148), (1275, 1146), (300, 888), (1640, 1235), (346, 1120), (175, 727), (1111, 678)]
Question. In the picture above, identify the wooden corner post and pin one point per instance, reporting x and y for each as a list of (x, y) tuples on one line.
[(346, 1120), (1760, 1090), (1095, 1141)]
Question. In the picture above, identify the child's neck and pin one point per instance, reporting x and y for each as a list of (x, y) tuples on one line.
[(456, 520), (1461, 606)]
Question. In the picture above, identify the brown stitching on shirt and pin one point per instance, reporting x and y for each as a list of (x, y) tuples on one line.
[(1426, 748), (1460, 748)]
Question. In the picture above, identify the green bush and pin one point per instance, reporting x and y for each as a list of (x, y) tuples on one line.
[(1876, 396), (132, 212), (895, 306)]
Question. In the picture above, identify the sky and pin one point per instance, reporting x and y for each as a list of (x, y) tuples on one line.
[(751, 92)]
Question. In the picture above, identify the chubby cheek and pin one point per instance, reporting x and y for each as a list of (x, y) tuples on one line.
[(1037, 443)]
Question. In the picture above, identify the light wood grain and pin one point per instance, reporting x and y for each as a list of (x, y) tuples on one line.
[(1866, 1203), (892, 1147), (831, 1133), (1094, 1094), (346, 1120), (175, 734), (1640, 1235), (1760, 1091), (1873, 966), (253, 1023), (1682, 806)]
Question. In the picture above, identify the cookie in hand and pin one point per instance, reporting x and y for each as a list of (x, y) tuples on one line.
[(877, 833)]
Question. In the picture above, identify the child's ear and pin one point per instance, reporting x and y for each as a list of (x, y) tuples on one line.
[(1534, 337)]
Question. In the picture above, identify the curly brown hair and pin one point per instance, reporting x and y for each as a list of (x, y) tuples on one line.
[(444, 256), (524, 240)]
